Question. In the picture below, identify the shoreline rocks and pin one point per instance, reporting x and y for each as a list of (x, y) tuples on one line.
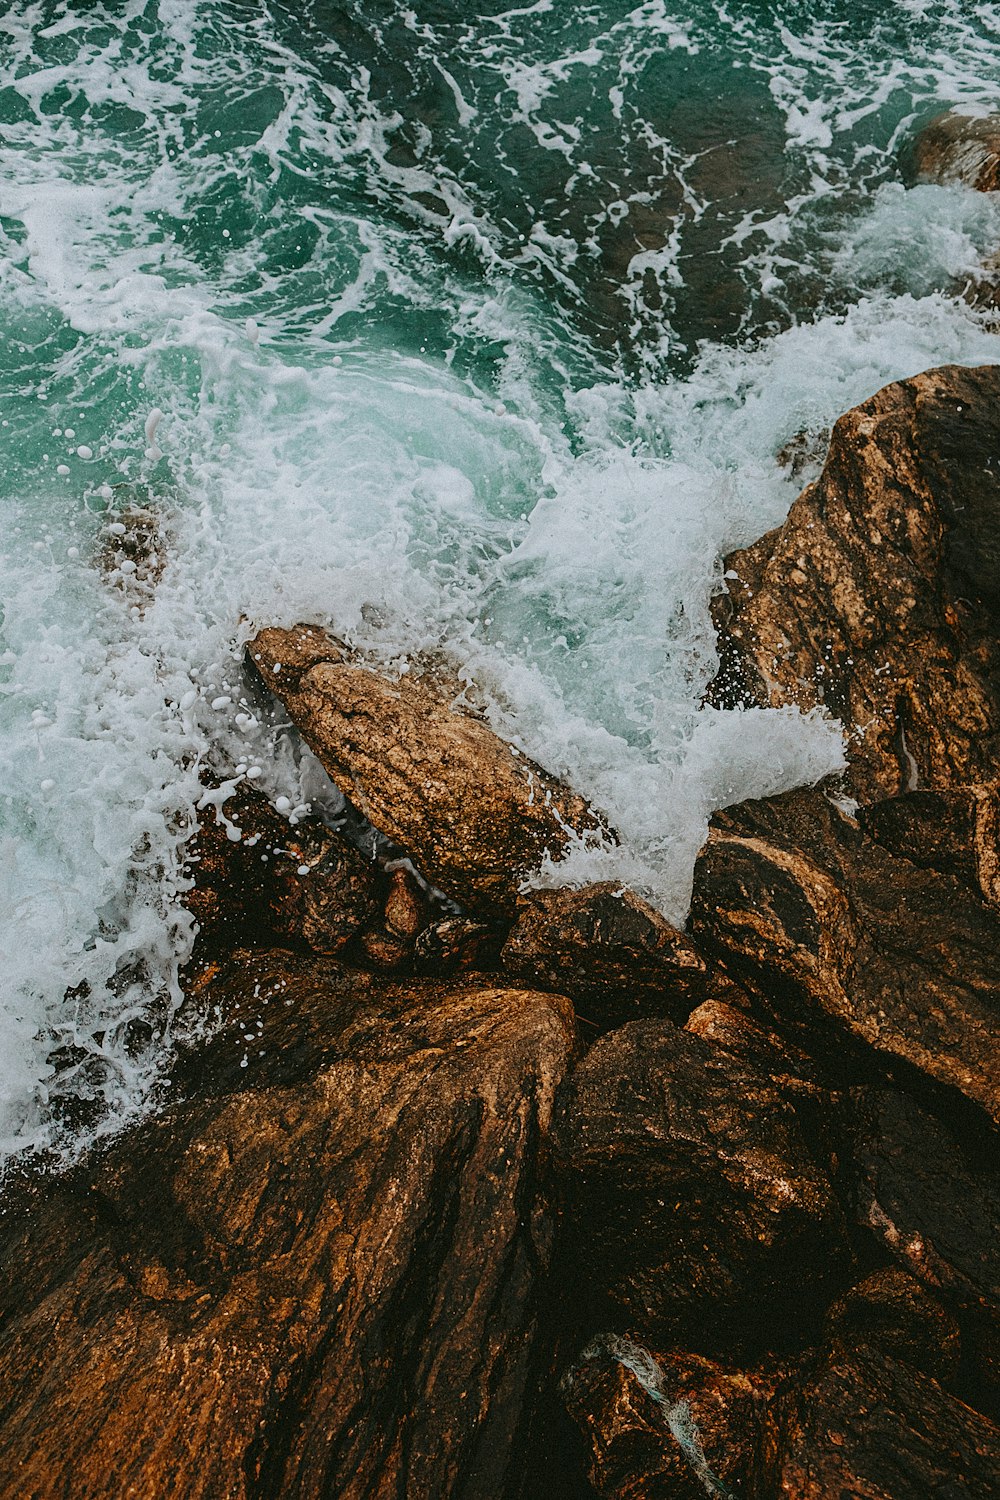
[(405, 1236)]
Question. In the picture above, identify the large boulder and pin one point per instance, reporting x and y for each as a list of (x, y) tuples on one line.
[(315, 1273), (848, 944), (475, 814), (955, 830), (693, 1206), (610, 952), (959, 148), (879, 597)]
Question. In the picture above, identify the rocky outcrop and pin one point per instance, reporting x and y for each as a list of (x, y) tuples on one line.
[(314, 1274), (615, 956), (879, 598), (890, 1311), (475, 814), (846, 943), (933, 1204), (955, 831), (959, 148), (867, 1424), (693, 1203), (670, 1425)]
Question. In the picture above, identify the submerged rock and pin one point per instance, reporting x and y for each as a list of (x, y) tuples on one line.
[(879, 597), (316, 1275), (610, 952), (692, 1202), (845, 942), (476, 815), (959, 148)]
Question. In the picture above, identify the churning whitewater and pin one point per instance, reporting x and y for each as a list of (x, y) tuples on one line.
[(466, 335)]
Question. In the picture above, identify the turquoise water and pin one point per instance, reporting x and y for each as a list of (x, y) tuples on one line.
[(467, 333)]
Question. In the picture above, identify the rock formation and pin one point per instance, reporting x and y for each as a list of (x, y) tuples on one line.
[(959, 148), (315, 1273), (879, 597), (476, 815)]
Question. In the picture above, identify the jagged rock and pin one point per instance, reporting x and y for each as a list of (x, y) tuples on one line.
[(956, 831), (456, 945), (959, 148), (608, 950), (867, 1425), (670, 1426), (935, 1211), (845, 943), (247, 862), (476, 815), (890, 1311), (691, 1200), (738, 1032), (879, 596), (315, 1275)]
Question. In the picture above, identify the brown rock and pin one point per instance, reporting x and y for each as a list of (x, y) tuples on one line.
[(669, 1426), (475, 814), (956, 831), (892, 1312), (845, 942), (960, 148), (608, 950), (763, 1048), (870, 1426), (317, 1276), (457, 945), (879, 596), (691, 1200), (936, 1211), (246, 861)]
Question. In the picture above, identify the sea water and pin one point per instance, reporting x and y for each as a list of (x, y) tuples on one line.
[(463, 329)]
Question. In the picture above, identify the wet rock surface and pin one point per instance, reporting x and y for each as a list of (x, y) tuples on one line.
[(696, 1208), (849, 944), (878, 597), (316, 1275), (609, 951), (476, 815), (959, 148)]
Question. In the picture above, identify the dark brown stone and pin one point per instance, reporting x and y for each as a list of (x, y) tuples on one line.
[(670, 1426), (879, 597), (871, 1427), (845, 942), (691, 1200), (891, 1311), (959, 148), (936, 1211), (610, 952), (457, 945), (246, 861), (475, 815), (956, 831), (314, 1276)]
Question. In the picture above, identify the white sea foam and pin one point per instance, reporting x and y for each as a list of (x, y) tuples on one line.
[(342, 414)]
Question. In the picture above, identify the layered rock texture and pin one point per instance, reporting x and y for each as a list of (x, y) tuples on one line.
[(879, 598), (396, 1232)]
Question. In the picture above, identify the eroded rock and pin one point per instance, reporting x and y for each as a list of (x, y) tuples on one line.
[(956, 831), (608, 950), (258, 878), (879, 597), (672, 1425), (959, 148), (845, 942), (475, 814), (890, 1311), (869, 1425), (314, 1276), (692, 1202)]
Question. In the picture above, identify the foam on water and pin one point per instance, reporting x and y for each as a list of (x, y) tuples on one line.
[(412, 327)]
